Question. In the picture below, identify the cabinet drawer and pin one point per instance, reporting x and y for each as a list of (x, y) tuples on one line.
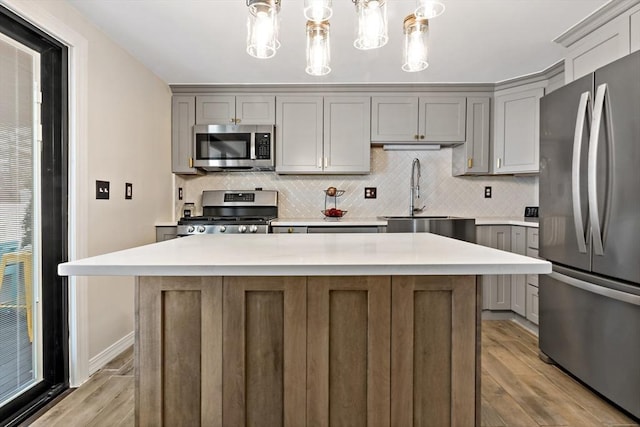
[(291, 229), (532, 237), (532, 279), (533, 253)]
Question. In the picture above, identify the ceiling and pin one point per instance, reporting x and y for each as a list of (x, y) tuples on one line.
[(203, 41)]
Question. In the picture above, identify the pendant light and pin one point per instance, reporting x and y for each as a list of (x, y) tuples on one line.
[(414, 57), (372, 24), (428, 8), (318, 48), (317, 10), (262, 28)]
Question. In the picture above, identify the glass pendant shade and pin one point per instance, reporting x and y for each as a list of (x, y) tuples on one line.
[(318, 48), (414, 55), (317, 10), (262, 28), (428, 9), (372, 24)]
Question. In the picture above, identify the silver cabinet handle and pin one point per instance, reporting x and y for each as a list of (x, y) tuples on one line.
[(592, 163), (320, 162), (326, 162), (583, 109)]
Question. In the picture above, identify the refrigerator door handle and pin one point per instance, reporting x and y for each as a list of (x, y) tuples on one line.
[(600, 290), (592, 163), (583, 110)]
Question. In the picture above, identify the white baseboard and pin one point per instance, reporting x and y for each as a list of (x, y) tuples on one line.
[(110, 353)]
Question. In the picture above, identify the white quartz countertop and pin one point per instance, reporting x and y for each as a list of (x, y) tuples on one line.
[(525, 222), (331, 254), (322, 222)]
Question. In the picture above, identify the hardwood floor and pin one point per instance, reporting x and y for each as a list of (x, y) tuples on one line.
[(518, 389)]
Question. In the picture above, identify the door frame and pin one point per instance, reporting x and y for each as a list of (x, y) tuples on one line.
[(78, 176)]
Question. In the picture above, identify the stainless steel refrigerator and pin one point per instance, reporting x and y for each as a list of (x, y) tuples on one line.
[(590, 230)]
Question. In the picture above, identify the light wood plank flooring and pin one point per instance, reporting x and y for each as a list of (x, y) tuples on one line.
[(518, 389)]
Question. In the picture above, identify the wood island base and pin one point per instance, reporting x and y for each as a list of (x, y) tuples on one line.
[(316, 351)]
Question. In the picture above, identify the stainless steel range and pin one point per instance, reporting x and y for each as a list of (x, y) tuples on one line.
[(232, 212)]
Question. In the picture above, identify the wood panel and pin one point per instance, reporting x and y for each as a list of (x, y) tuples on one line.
[(430, 315), (178, 365), (348, 351), (263, 350)]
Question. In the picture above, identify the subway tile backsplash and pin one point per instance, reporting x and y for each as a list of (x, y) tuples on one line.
[(302, 196)]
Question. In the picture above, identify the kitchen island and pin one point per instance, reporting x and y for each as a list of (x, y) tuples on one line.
[(296, 329)]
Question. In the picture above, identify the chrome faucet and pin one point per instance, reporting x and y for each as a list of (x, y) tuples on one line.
[(415, 187)]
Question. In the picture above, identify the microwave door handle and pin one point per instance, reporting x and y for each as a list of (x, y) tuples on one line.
[(252, 146), (583, 110), (592, 162)]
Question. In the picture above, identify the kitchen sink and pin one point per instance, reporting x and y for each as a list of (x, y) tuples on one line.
[(449, 226)]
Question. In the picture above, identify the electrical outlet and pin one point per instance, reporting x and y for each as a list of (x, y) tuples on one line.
[(102, 190), (128, 191), (487, 192), (179, 193), (370, 192)]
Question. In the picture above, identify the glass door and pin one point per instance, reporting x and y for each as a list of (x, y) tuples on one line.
[(20, 332), (33, 218)]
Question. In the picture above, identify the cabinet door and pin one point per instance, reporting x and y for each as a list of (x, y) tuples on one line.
[(299, 128), (427, 388), (215, 109), (394, 119), (264, 351), (599, 48), (472, 157), (183, 117), (533, 310), (347, 134), (518, 281), (496, 289), (517, 132), (635, 30), (348, 351), (256, 109), (442, 119), (177, 354)]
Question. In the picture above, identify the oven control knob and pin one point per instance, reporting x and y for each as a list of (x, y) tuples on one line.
[(253, 228), (201, 229), (191, 229), (242, 228), (222, 228)]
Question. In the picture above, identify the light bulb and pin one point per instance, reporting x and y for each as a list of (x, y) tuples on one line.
[(429, 9), (415, 44), (372, 24), (262, 31), (317, 10), (318, 48)]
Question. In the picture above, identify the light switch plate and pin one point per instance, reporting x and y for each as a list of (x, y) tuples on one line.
[(102, 190), (370, 192)]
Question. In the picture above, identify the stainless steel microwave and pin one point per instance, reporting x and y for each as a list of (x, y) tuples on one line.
[(234, 147)]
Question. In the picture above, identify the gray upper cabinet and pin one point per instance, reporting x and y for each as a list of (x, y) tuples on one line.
[(299, 129), (240, 109), (516, 145), (316, 134), (472, 157), (425, 119), (347, 134), (183, 117)]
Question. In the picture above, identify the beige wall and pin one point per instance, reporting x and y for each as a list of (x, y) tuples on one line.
[(129, 119)]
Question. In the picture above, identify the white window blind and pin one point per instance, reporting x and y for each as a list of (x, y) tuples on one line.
[(19, 75)]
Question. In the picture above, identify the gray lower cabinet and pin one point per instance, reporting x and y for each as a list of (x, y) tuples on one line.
[(166, 232), (424, 119), (532, 279), (496, 289), (323, 135), (183, 117), (519, 281)]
